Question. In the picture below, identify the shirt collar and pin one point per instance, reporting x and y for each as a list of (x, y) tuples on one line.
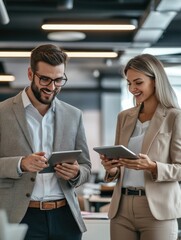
[(27, 102)]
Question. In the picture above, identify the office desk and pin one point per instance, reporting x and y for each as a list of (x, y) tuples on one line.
[(96, 201), (97, 228)]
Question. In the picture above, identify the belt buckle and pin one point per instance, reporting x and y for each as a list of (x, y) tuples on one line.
[(41, 206), (44, 209)]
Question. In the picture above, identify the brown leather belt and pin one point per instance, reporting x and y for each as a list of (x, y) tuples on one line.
[(47, 205)]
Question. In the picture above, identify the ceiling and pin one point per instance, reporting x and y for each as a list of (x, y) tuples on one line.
[(158, 26)]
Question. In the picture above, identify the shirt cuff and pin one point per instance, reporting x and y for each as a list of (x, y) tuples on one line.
[(19, 171)]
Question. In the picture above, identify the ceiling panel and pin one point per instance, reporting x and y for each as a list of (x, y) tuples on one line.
[(26, 17)]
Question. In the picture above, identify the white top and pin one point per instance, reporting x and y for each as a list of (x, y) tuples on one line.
[(135, 178), (41, 129)]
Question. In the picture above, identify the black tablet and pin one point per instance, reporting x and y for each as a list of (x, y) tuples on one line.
[(61, 157), (115, 152)]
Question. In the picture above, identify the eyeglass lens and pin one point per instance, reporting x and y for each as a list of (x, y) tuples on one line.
[(58, 82)]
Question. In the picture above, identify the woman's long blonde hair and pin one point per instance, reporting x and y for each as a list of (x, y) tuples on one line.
[(153, 68)]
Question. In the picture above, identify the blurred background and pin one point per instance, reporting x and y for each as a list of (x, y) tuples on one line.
[(100, 36)]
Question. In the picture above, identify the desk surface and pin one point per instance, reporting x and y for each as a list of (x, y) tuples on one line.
[(94, 215), (98, 198)]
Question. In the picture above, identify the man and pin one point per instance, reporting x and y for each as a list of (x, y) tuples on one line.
[(32, 125)]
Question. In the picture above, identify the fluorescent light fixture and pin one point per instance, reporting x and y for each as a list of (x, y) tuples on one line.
[(14, 54), (6, 77), (75, 54), (92, 54), (89, 27)]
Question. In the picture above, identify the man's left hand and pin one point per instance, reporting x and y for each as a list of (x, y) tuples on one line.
[(67, 171)]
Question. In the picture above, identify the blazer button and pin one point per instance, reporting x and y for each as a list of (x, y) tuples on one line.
[(32, 179), (28, 194)]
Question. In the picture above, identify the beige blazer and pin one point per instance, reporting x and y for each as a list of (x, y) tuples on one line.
[(162, 143), (15, 142)]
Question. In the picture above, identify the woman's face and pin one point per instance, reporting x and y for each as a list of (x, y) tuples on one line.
[(140, 85)]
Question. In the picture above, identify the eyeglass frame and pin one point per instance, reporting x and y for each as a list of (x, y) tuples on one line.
[(51, 80)]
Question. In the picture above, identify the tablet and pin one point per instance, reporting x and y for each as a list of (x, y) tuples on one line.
[(115, 152), (61, 157)]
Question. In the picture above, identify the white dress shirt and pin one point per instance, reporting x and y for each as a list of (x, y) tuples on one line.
[(135, 178), (41, 129)]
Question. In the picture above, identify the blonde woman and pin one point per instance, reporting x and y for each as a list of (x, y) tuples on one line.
[(147, 198)]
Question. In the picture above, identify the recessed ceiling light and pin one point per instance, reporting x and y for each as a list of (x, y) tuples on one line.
[(66, 36)]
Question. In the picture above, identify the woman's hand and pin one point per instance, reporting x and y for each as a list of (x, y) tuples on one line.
[(142, 163), (110, 165)]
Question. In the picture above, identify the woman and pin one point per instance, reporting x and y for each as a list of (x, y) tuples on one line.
[(147, 198)]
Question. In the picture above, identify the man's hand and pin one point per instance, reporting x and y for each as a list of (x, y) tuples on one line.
[(67, 171), (34, 162)]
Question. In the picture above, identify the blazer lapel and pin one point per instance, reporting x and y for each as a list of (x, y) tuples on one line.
[(131, 120), (153, 128), (58, 127), (19, 112)]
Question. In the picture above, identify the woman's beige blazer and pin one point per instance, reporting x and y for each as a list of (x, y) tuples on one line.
[(162, 143)]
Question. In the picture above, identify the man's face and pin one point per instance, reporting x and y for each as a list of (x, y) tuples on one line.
[(46, 94)]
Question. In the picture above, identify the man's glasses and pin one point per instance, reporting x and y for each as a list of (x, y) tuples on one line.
[(46, 81)]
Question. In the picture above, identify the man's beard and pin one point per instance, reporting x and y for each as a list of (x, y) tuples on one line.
[(37, 94)]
